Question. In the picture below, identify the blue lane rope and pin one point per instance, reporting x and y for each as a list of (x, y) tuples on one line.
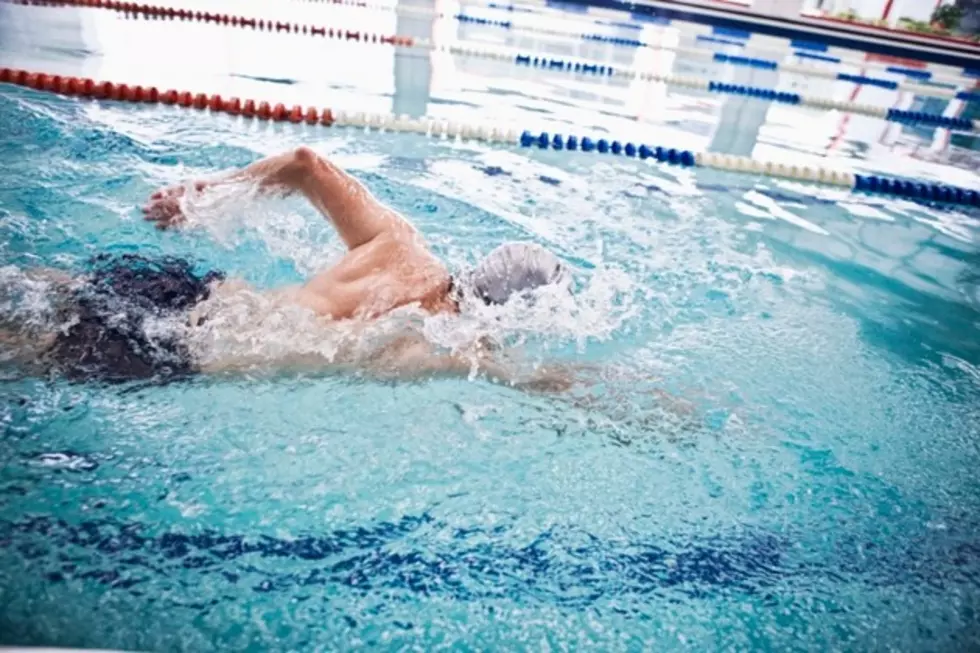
[(614, 40), (754, 62), (808, 45), (895, 187), (637, 18), (715, 39), (909, 72), (612, 23), (651, 19), (441, 128), (561, 64), (915, 117), (872, 184), (735, 60), (740, 34), (765, 64), (871, 81), (750, 62), (755, 91), (720, 35), (463, 18), (773, 95), (818, 57)]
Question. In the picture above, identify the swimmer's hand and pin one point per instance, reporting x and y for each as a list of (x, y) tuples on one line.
[(164, 206)]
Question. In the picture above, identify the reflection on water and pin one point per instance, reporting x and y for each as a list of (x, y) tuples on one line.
[(774, 446)]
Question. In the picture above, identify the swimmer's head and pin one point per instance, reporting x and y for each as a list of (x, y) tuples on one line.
[(514, 269)]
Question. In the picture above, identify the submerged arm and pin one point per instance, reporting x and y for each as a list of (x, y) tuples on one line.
[(406, 359), (415, 358)]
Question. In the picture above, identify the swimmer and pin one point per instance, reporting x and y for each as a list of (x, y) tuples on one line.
[(388, 265)]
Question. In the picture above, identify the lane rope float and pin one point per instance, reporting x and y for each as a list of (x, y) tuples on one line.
[(718, 57), (739, 38), (575, 66), (262, 110)]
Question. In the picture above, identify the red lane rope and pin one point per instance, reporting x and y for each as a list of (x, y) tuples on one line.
[(101, 90), (225, 19)]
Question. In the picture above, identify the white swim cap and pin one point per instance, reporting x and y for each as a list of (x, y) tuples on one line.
[(515, 268)]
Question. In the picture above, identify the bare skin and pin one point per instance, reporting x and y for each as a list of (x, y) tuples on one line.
[(388, 265)]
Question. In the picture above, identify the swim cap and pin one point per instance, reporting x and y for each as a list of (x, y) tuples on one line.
[(514, 268)]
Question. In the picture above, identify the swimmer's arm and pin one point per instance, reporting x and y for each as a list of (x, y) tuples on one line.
[(417, 360), (406, 359), (356, 214)]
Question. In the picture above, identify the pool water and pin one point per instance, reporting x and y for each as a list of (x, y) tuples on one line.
[(822, 496)]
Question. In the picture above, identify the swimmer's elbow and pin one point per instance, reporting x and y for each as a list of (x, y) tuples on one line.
[(301, 164), (304, 158), (318, 177), (311, 166), (292, 170)]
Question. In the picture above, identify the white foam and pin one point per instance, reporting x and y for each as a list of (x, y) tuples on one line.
[(26, 297), (253, 327), (768, 204), (235, 213)]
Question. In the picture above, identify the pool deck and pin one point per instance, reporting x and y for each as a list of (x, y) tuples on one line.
[(835, 32)]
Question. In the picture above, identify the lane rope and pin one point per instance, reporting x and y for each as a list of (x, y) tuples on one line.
[(757, 62), (739, 38), (575, 66), (433, 127), (803, 55)]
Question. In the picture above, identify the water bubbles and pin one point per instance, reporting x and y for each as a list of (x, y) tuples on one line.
[(239, 215), (27, 297), (548, 316), (66, 460)]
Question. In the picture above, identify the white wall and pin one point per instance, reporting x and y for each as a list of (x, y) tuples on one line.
[(788, 8)]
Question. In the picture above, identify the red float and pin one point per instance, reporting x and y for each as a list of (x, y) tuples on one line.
[(103, 90)]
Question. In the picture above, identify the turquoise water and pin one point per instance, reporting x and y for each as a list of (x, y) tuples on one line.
[(823, 495)]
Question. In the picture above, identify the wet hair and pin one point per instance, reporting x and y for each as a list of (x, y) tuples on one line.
[(514, 269), (106, 338)]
